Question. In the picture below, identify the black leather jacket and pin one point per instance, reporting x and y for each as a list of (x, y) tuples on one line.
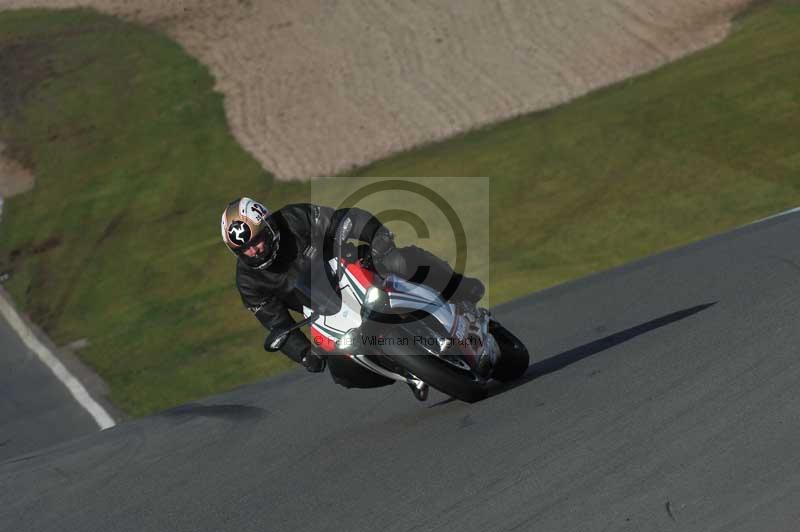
[(306, 235)]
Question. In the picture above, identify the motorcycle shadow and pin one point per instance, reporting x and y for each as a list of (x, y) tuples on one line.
[(567, 358)]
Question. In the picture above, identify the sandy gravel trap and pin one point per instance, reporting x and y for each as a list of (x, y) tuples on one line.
[(314, 87)]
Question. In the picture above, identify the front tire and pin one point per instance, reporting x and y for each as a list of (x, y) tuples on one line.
[(439, 374), (514, 357)]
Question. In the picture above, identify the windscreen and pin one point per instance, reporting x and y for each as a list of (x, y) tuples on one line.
[(315, 282)]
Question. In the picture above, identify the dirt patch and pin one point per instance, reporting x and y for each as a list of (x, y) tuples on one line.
[(14, 178), (110, 228), (315, 87), (35, 249)]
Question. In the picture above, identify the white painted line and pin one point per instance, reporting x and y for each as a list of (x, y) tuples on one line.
[(784, 213), (103, 419)]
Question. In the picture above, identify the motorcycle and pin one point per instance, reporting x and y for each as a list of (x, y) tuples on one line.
[(401, 330)]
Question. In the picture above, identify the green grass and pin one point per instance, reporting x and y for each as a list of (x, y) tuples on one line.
[(134, 163), (690, 150), (118, 242)]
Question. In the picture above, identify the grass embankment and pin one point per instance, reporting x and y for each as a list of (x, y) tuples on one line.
[(118, 242), (690, 150)]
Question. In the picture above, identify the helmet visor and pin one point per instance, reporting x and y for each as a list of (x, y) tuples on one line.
[(260, 251)]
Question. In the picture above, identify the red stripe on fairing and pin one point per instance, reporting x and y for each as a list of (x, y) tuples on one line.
[(364, 277), (320, 340)]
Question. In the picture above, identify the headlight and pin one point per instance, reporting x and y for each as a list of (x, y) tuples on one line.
[(347, 342), (373, 295)]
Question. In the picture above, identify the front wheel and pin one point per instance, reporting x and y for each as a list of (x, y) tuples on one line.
[(439, 374), (514, 357)]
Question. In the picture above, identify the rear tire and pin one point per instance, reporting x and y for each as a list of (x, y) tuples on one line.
[(439, 374), (514, 357)]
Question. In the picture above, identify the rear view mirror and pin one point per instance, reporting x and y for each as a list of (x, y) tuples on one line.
[(277, 336), (276, 339)]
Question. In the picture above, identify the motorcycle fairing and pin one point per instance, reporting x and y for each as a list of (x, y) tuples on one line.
[(406, 295), (326, 330), (402, 295)]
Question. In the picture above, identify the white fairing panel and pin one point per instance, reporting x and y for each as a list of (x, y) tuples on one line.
[(403, 294), (349, 315)]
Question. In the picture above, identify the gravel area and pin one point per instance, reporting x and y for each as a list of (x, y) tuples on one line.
[(314, 87)]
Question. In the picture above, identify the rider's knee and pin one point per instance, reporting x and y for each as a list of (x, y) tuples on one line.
[(394, 262)]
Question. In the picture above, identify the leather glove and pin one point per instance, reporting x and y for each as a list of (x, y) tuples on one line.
[(382, 243), (313, 362)]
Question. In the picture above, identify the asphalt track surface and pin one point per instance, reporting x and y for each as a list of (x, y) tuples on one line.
[(36, 410), (665, 395)]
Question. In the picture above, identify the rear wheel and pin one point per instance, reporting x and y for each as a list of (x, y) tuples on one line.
[(514, 357), (448, 379)]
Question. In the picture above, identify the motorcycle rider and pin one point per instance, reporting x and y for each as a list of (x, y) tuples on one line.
[(271, 248)]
